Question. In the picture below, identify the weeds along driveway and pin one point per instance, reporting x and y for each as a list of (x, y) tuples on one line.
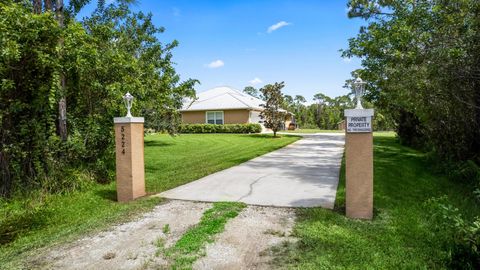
[(302, 174), (171, 236)]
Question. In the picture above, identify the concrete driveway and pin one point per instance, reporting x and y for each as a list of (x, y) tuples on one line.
[(302, 174)]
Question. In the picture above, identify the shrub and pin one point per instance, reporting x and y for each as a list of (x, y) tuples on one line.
[(227, 128), (461, 237)]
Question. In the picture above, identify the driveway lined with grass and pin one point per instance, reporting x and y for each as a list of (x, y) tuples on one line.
[(402, 233), (44, 220), (303, 174)]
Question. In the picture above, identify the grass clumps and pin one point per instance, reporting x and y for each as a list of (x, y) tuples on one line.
[(190, 246)]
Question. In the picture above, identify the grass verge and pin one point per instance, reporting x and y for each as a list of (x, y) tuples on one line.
[(313, 130), (401, 234), (191, 245), (43, 220)]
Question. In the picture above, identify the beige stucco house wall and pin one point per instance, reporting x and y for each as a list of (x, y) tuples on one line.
[(229, 116), (227, 106)]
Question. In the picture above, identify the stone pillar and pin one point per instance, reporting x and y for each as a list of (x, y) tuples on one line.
[(359, 163), (129, 158)]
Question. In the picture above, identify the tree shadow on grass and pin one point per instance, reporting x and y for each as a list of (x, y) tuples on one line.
[(157, 143), (16, 223), (107, 194), (270, 136)]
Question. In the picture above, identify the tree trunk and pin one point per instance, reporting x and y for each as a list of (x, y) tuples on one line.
[(62, 104), (48, 4), (37, 6)]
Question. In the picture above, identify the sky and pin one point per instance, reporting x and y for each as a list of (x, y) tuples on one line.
[(253, 43)]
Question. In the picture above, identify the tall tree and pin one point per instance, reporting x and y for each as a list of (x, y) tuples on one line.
[(252, 91), (62, 103), (28, 62), (273, 115), (421, 60), (111, 52), (299, 99)]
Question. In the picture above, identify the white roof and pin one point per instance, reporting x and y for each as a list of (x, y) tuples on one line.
[(222, 98)]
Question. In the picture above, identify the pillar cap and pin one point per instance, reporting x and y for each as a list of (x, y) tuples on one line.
[(124, 120), (359, 112)]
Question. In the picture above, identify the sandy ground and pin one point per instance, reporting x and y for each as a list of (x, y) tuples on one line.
[(246, 240), (127, 246), (243, 245)]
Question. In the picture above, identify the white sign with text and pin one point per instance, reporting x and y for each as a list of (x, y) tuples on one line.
[(359, 124)]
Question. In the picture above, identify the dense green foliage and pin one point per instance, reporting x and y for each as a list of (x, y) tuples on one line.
[(402, 234), (28, 64), (226, 128), (28, 224), (109, 53), (461, 236), (421, 59), (326, 113)]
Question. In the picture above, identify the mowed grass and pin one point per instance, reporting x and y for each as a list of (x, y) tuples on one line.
[(401, 234), (45, 220), (173, 161), (313, 130)]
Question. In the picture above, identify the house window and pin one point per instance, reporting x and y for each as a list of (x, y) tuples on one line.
[(215, 118)]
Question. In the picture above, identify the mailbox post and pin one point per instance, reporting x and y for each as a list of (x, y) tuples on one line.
[(129, 154), (359, 158)]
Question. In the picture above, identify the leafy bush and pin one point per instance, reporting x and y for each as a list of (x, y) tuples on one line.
[(227, 128), (461, 237), (101, 60)]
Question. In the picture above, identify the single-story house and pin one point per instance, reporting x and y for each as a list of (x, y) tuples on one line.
[(225, 105)]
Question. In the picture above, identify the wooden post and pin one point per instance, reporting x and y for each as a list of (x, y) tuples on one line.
[(129, 152), (359, 163)]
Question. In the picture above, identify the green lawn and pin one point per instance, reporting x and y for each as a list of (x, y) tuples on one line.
[(45, 220), (313, 130), (173, 161), (401, 234)]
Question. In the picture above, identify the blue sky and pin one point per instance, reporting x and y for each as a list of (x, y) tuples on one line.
[(229, 42)]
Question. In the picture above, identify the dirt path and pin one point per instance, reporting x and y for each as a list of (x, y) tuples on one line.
[(246, 240), (133, 245), (130, 245)]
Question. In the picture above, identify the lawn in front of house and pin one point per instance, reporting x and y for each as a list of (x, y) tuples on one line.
[(312, 130), (174, 161), (401, 235), (43, 220)]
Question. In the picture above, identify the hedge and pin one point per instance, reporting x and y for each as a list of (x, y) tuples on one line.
[(227, 128)]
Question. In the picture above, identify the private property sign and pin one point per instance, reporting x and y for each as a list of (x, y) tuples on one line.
[(359, 120), (359, 124)]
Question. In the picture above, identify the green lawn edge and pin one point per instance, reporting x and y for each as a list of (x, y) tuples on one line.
[(400, 236), (169, 162)]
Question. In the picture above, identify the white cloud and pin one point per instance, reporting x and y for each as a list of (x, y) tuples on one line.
[(255, 81), (216, 64), (277, 26), (347, 60)]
